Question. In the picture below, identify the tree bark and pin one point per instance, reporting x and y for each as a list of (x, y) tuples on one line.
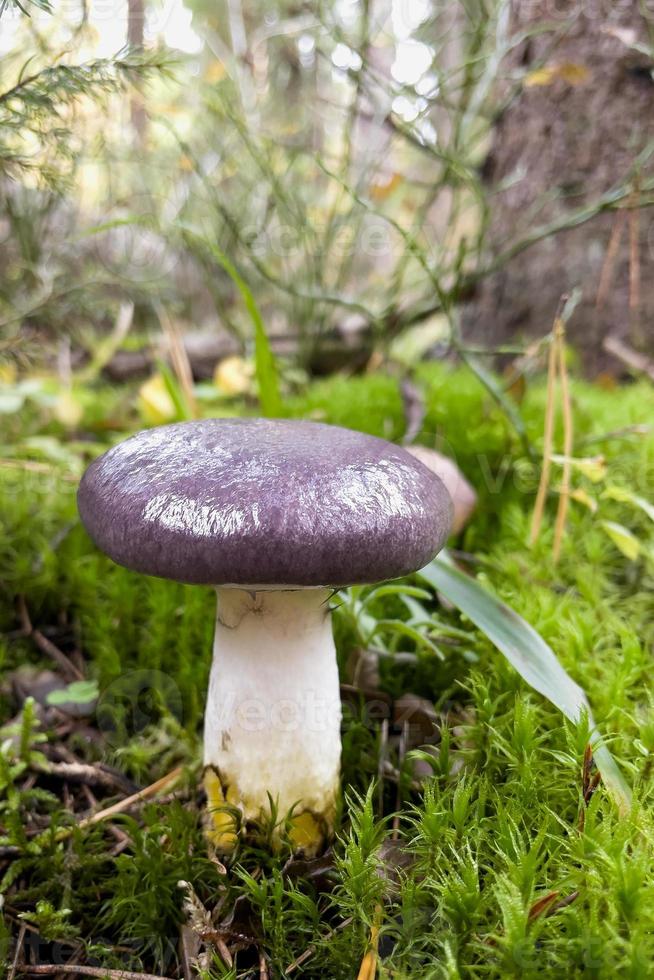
[(135, 33), (568, 136)]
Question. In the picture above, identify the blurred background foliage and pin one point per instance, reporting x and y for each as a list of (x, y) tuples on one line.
[(333, 151)]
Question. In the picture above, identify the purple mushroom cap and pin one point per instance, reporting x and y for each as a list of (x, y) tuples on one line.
[(264, 502)]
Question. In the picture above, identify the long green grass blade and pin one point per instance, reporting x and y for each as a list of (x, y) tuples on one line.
[(526, 650), (264, 359)]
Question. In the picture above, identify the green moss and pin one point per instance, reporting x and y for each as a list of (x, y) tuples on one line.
[(496, 827)]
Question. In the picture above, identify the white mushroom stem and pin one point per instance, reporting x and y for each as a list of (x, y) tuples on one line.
[(272, 723)]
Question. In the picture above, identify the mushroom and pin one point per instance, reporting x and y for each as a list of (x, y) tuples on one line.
[(464, 498), (276, 515)]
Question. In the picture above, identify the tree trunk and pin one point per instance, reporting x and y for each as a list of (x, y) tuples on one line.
[(135, 28), (570, 135)]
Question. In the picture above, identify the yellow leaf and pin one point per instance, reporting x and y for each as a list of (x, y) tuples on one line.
[(584, 498), (8, 373), (623, 539), (592, 467), (566, 71), (215, 72), (155, 404), (383, 188), (233, 376), (68, 409)]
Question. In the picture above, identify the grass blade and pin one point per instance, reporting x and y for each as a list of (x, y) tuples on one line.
[(526, 650), (264, 359)]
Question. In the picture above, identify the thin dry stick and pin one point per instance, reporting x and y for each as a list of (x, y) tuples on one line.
[(129, 801), (263, 968), (223, 949), (19, 950), (404, 741), (608, 267), (52, 969), (310, 950), (541, 496), (568, 437), (628, 356), (179, 357), (70, 671), (122, 805)]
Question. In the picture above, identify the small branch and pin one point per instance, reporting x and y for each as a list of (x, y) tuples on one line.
[(310, 950), (79, 772), (179, 357), (19, 949), (71, 672), (543, 485), (568, 440), (608, 267), (634, 272), (628, 356), (130, 801), (52, 969)]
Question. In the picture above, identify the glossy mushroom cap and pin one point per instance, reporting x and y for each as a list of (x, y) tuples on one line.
[(264, 502)]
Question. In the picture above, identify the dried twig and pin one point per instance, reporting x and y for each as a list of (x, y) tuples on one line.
[(543, 486), (52, 969), (634, 271), (122, 805), (568, 437), (310, 950), (179, 357), (130, 801), (70, 671), (80, 772), (608, 267), (630, 357), (17, 954)]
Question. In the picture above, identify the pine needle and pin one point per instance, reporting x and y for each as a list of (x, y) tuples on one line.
[(179, 358), (568, 437), (543, 485)]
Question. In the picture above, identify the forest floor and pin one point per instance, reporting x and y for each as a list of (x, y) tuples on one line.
[(472, 841)]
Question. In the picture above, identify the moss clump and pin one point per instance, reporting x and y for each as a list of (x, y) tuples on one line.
[(490, 868)]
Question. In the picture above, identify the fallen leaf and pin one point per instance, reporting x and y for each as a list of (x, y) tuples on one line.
[(592, 467), (417, 716), (566, 71), (50, 689), (215, 72), (155, 403), (234, 376), (623, 539), (584, 498), (383, 188)]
